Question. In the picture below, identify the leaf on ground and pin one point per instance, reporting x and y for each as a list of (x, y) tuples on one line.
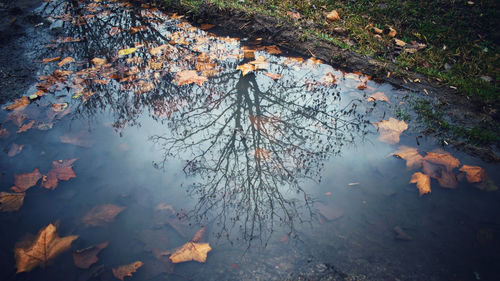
[(411, 155), (391, 32), (191, 251), (273, 76), (390, 130), (473, 174), (14, 149), (10, 202), (423, 182), (18, 104), (47, 60), (23, 182), (189, 76), (126, 270), (61, 170), (294, 15), (378, 96), (399, 43), (245, 68), (101, 215), (98, 61), (125, 52), (442, 158), (86, 257), (26, 126), (66, 61), (46, 246), (333, 15), (81, 138), (135, 29)]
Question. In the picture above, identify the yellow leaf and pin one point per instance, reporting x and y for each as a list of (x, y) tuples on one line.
[(245, 68), (125, 52), (191, 251), (423, 182)]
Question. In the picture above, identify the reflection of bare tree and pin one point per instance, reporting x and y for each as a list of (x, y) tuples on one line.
[(252, 141)]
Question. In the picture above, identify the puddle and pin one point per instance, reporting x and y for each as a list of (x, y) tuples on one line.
[(174, 128)]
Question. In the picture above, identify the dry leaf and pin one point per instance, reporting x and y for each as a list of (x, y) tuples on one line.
[(66, 61), (390, 130), (329, 212), (15, 149), (333, 15), (26, 126), (86, 257), (378, 96), (126, 270), (294, 15), (273, 76), (411, 155), (125, 52), (4, 133), (189, 76), (245, 68), (10, 202), (198, 236), (47, 60), (423, 182), (399, 43), (39, 251), (101, 215), (191, 252), (445, 177), (206, 26), (442, 158), (361, 86), (260, 63), (81, 138), (392, 32), (272, 50), (157, 50), (24, 181), (61, 170), (18, 104), (98, 61), (473, 173)]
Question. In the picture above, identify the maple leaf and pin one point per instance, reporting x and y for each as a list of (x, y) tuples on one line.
[(100, 215), (442, 158), (18, 104), (473, 174), (333, 15), (411, 155), (126, 270), (23, 182), (189, 76), (86, 257), (61, 170), (15, 149), (11, 202), (378, 96), (445, 177), (46, 246), (66, 61), (191, 251), (245, 68), (423, 182), (273, 76), (390, 130)]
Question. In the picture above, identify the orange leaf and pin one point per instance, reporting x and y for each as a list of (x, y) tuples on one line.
[(126, 270), (191, 252), (11, 202), (411, 155), (245, 68), (423, 182), (473, 173), (188, 77), (378, 96), (198, 236), (273, 50), (333, 15), (66, 61), (23, 182), (390, 130), (443, 158), (46, 246), (98, 61), (86, 257), (157, 50), (18, 104), (100, 215), (294, 15), (61, 170), (206, 26), (273, 76), (47, 60)]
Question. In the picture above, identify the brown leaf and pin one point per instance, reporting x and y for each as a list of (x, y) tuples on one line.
[(126, 270), (390, 130), (47, 60), (361, 86), (273, 76), (329, 212), (198, 236), (445, 177), (18, 104), (191, 252), (66, 61), (245, 68), (24, 181), (260, 63), (158, 50), (81, 138), (86, 257), (39, 251), (189, 76), (473, 173), (411, 155), (399, 43), (378, 96), (442, 158), (272, 50), (101, 215), (391, 32), (26, 126), (61, 170), (15, 149), (4, 133), (98, 61), (11, 202), (423, 182), (333, 15), (207, 26)]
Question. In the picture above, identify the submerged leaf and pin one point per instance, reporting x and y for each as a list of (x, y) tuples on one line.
[(18, 104), (39, 251), (10, 202), (101, 215), (474, 174), (189, 76), (442, 158), (61, 170), (23, 182), (86, 257), (390, 130), (191, 251), (423, 182), (15, 149), (26, 126), (411, 155), (126, 270)]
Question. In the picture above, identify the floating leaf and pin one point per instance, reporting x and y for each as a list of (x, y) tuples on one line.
[(378, 96), (473, 174), (411, 155), (46, 246), (58, 107), (18, 104), (273, 76), (191, 251), (125, 52), (47, 60), (61, 170), (101, 215), (333, 15), (423, 182), (14, 149), (10, 202), (245, 68), (26, 126), (23, 182), (189, 76), (260, 63), (86, 257), (157, 50), (98, 61), (126, 270), (442, 158), (66, 61), (390, 130)]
